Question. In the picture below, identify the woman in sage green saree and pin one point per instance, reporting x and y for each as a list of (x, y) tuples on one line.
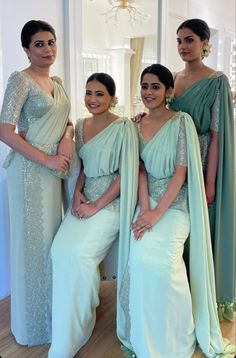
[(205, 94), (41, 149), (159, 315), (102, 210)]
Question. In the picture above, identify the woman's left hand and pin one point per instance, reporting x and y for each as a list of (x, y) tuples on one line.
[(65, 148), (210, 193), (86, 210), (22, 134), (145, 221), (138, 117)]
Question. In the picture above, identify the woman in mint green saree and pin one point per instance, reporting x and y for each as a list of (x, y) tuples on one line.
[(102, 210), (160, 313), (205, 94), (38, 106)]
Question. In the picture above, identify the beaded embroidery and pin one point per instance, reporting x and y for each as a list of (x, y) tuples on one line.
[(182, 146), (50, 149), (38, 274), (95, 187), (124, 300), (25, 103), (215, 113), (157, 188)]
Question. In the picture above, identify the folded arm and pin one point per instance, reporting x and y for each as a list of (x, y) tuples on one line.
[(83, 208), (19, 144), (65, 147), (149, 217)]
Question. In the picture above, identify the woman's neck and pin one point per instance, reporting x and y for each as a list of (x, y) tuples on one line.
[(39, 71), (104, 117), (193, 67), (159, 114)]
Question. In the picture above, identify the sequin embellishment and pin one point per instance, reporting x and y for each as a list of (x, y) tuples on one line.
[(38, 278), (95, 187)]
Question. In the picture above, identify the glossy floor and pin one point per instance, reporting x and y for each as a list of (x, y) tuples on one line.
[(103, 343)]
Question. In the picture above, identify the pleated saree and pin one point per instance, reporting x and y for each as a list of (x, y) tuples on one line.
[(160, 314), (35, 204), (208, 98), (81, 245)]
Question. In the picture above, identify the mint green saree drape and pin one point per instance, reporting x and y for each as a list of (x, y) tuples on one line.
[(159, 315), (34, 204), (81, 245), (198, 100)]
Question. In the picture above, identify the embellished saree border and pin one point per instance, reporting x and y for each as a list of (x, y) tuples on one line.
[(38, 270)]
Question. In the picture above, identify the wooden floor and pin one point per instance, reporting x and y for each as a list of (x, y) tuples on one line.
[(103, 343)]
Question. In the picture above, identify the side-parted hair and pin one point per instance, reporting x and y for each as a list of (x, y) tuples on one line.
[(31, 28)]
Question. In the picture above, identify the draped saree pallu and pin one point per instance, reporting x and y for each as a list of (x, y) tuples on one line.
[(34, 204), (159, 315), (81, 245), (209, 102)]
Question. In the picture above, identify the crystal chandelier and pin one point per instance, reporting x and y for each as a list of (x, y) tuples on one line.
[(116, 6)]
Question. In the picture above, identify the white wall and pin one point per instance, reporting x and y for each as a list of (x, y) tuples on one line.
[(4, 221), (217, 13), (220, 16), (14, 14)]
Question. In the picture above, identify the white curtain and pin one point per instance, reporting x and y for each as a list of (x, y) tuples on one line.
[(136, 44), (4, 229)]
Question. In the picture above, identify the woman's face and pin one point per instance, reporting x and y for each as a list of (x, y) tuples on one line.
[(153, 91), (189, 45), (97, 98), (42, 50)]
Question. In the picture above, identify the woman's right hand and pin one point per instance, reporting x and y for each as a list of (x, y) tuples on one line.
[(78, 199), (58, 162), (138, 117)]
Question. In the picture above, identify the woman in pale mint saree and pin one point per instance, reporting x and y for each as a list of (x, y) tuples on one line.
[(205, 94), (161, 314), (41, 152), (101, 212)]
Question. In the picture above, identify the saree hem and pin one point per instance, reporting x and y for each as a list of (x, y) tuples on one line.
[(127, 352), (226, 310)]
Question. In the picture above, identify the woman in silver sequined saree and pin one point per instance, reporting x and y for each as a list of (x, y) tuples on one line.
[(101, 212), (37, 105)]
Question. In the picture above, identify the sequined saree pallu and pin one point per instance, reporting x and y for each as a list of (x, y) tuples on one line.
[(158, 314), (34, 204), (209, 102)]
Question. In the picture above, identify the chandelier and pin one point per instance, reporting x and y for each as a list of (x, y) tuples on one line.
[(116, 6)]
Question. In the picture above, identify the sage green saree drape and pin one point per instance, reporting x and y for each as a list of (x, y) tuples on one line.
[(81, 245), (159, 316), (35, 204), (198, 101)]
